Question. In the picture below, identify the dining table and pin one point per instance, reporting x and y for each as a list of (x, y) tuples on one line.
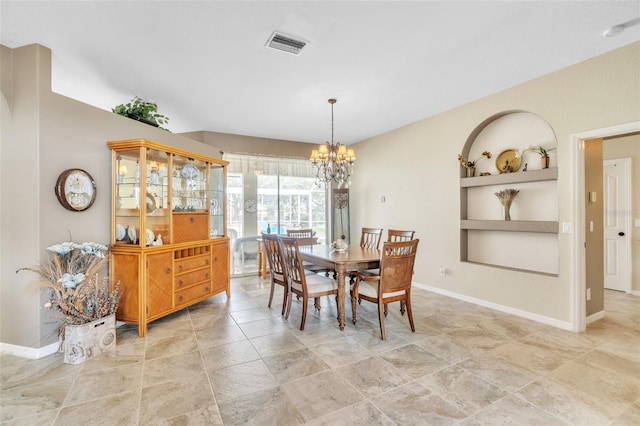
[(354, 258)]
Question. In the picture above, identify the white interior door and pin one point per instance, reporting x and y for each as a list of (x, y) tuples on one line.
[(617, 205)]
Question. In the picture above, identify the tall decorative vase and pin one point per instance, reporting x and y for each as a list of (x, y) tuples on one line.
[(471, 171)]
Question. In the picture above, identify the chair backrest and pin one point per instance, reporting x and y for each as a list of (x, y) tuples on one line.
[(300, 233), (395, 235), (305, 236), (396, 265), (246, 247), (274, 257), (292, 261), (370, 238)]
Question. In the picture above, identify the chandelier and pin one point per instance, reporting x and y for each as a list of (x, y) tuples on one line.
[(333, 161)]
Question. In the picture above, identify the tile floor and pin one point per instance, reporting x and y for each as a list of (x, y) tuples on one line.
[(238, 362)]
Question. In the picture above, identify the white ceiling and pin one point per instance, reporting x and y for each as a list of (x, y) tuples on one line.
[(389, 63)]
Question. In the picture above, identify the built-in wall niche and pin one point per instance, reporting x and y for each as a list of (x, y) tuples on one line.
[(529, 241)]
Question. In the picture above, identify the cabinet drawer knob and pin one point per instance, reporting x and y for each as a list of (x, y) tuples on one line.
[(207, 261), (168, 270), (180, 298), (206, 275), (180, 283), (193, 219), (180, 267), (206, 289)]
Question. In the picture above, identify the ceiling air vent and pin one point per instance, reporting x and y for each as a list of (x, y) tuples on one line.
[(285, 43)]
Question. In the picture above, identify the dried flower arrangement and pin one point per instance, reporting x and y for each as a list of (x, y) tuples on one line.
[(471, 164), (506, 197), (71, 274)]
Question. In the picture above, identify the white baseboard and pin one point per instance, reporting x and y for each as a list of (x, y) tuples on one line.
[(31, 353), (635, 292), (506, 309), (595, 317)]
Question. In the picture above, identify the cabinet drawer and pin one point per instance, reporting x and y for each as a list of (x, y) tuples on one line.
[(190, 294), (186, 265), (189, 278), (190, 227)]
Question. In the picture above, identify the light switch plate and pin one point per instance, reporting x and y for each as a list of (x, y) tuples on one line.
[(566, 227), (637, 223)]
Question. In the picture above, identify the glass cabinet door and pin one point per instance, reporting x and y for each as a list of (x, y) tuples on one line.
[(189, 185), (216, 211), (127, 193), (156, 198)]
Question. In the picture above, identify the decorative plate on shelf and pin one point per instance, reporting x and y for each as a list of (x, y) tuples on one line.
[(121, 233), (189, 171), (151, 203), (508, 161), (150, 237), (132, 235)]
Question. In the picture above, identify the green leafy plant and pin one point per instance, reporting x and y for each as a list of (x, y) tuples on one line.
[(141, 110)]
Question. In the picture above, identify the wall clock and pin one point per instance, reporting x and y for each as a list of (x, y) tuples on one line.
[(76, 190), (251, 206)]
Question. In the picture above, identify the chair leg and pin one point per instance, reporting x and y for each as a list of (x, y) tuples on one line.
[(289, 298), (386, 310), (316, 303), (353, 309), (409, 313), (402, 307), (381, 309), (284, 300), (305, 302), (271, 294)]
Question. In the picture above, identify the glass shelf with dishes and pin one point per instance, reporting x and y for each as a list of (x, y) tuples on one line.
[(189, 180)]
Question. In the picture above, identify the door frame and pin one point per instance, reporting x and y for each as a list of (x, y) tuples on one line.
[(627, 220), (578, 287)]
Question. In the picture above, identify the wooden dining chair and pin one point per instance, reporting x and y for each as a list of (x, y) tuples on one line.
[(370, 238), (276, 267), (394, 235), (392, 285), (300, 233), (303, 285)]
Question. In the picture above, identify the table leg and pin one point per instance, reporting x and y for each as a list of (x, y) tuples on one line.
[(341, 297)]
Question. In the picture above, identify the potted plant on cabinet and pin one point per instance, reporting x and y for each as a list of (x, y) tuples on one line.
[(143, 111), (85, 302)]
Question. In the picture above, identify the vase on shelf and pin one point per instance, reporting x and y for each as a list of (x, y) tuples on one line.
[(507, 214), (506, 197), (544, 161), (471, 171)]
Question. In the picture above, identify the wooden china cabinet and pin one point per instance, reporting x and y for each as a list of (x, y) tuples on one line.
[(169, 243)]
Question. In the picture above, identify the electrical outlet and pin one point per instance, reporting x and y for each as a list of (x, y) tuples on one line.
[(588, 294), (443, 271)]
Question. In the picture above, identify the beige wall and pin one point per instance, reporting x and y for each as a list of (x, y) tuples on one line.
[(629, 147), (239, 144), (415, 168), (594, 225), (43, 134)]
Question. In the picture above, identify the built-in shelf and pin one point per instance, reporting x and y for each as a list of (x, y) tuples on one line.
[(546, 227), (516, 177)]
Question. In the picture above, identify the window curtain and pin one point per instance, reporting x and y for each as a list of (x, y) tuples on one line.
[(243, 163)]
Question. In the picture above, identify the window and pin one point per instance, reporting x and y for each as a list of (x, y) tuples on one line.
[(286, 196)]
